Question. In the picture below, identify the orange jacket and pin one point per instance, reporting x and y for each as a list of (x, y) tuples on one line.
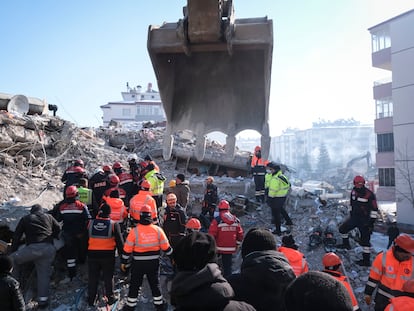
[(402, 303), (260, 162), (389, 275), (138, 200), (341, 278), (296, 260), (118, 209)]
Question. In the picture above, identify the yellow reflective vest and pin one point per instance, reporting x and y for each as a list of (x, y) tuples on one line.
[(277, 184)]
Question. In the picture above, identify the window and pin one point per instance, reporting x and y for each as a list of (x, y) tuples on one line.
[(384, 108), (386, 177), (380, 40), (385, 142), (126, 112)]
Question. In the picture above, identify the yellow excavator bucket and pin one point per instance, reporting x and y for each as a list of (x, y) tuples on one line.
[(213, 73)]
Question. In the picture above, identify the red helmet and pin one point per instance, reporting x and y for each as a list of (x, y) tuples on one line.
[(330, 260), (359, 180), (145, 184), (117, 165), (257, 148), (405, 242), (79, 162), (106, 168), (113, 180), (71, 192), (193, 223), (145, 209), (224, 205)]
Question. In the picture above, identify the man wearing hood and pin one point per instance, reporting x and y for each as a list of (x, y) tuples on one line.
[(228, 232)]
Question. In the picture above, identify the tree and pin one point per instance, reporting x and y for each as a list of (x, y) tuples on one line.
[(405, 168), (324, 161)]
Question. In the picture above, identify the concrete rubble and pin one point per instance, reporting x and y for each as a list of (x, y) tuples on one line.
[(35, 151)]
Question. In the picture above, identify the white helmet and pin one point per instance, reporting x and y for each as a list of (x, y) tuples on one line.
[(132, 156)]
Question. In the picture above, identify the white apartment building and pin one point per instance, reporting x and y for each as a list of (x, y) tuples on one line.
[(393, 51)]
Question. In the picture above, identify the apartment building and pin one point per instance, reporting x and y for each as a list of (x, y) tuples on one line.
[(393, 52)]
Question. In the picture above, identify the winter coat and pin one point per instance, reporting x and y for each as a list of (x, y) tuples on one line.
[(10, 293), (296, 260), (227, 231), (263, 279), (182, 191), (204, 290)]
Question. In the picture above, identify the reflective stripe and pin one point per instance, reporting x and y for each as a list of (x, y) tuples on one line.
[(132, 301), (158, 300), (384, 293), (373, 214), (146, 257), (226, 249), (364, 200)]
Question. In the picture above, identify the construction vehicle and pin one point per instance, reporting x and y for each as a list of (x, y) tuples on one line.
[(213, 73)]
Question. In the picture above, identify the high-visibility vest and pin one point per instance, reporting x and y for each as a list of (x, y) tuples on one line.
[(101, 234), (402, 303), (157, 185), (85, 195), (296, 260), (342, 278), (138, 201), (118, 209), (278, 185)]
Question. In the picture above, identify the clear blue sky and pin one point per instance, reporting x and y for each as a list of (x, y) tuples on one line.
[(80, 54)]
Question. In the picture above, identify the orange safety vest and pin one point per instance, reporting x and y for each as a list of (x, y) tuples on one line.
[(342, 278), (101, 236), (259, 162), (118, 209), (296, 260), (402, 303), (138, 201), (145, 242)]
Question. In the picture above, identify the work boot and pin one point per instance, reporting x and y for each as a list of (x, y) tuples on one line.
[(162, 307), (366, 260), (345, 244)]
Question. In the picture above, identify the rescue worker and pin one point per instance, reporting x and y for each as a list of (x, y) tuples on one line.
[(296, 258), (144, 243), (143, 197), (119, 212), (277, 188), (258, 168), (11, 295), (332, 264), (134, 170), (362, 216), (389, 271), (126, 181), (75, 216), (174, 220), (86, 196), (104, 237), (114, 185), (228, 233), (403, 303), (73, 173), (39, 229), (99, 182), (157, 181), (182, 191), (148, 159), (210, 199)]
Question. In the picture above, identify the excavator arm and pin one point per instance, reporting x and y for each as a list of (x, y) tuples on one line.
[(213, 73)]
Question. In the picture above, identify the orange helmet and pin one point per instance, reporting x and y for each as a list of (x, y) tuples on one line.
[(106, 168), (359, 180), (257, 148), (330, 260), (145, 209), (405, 242), (71, 192), (113, 180), (224, 205), (193, 224), (172, 183), (145, 184)]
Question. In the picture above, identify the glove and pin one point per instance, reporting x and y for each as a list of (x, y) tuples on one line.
[(367, 299), (124, 268)]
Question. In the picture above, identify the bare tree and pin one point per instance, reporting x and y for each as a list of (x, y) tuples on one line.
[(405, 168)]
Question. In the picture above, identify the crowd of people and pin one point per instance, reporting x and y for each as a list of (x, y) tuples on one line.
[(118, 216)]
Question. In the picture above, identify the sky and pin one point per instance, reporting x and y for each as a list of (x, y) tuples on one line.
[(80, 54)]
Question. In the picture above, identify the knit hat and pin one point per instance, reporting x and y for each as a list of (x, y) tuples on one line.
[(181, 177), (194, 251), (105, 210), (315, 290), (289, 241), (257, 239), (5, 264)]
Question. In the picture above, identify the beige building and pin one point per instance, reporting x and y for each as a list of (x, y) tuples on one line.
[(393, 51)]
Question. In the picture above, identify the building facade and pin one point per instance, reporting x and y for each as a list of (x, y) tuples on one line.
[(393, 51), (136, 106)]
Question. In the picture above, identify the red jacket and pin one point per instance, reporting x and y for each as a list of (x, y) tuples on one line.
[(227, 231)]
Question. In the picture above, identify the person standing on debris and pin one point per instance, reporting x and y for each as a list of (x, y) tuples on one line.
[(104, 237), (405, 302), (134, 170), (175, 219), (148, 159), (228, 233), (392, 232), (363, 215), (10, 293), (199, 283), (119, 212), (389, 271), (210, 198), (73, 173), (126, 181), (114, 185), (277, 188), (39, 229), (143, 197), (144, 243), (157, 180), (296, 258), (332, 264), (258, 168), (264, 273), (75, 216), (99, 182), (182, 191)]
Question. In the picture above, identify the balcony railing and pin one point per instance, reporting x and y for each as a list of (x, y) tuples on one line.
[(383, 81)]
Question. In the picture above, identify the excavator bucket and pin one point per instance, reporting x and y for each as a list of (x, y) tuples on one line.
[(213, 73)]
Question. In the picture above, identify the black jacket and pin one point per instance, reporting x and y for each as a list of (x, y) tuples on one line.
[(10, 293), (204, 290), (263, 278)]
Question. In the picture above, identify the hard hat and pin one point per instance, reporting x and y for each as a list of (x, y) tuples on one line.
[(79, 162), (193, 223), (405, 242), (113, 180), (359, 180), (98, 170), (330, 260), (224, 205), (257, 148), (106, 168), (145, 184), (117, 165), (210, 178), (145, 209), (132, 156), (172, 183), (71, 192)]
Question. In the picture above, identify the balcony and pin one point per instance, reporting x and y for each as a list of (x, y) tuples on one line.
[(383, 88), (382, 59)]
